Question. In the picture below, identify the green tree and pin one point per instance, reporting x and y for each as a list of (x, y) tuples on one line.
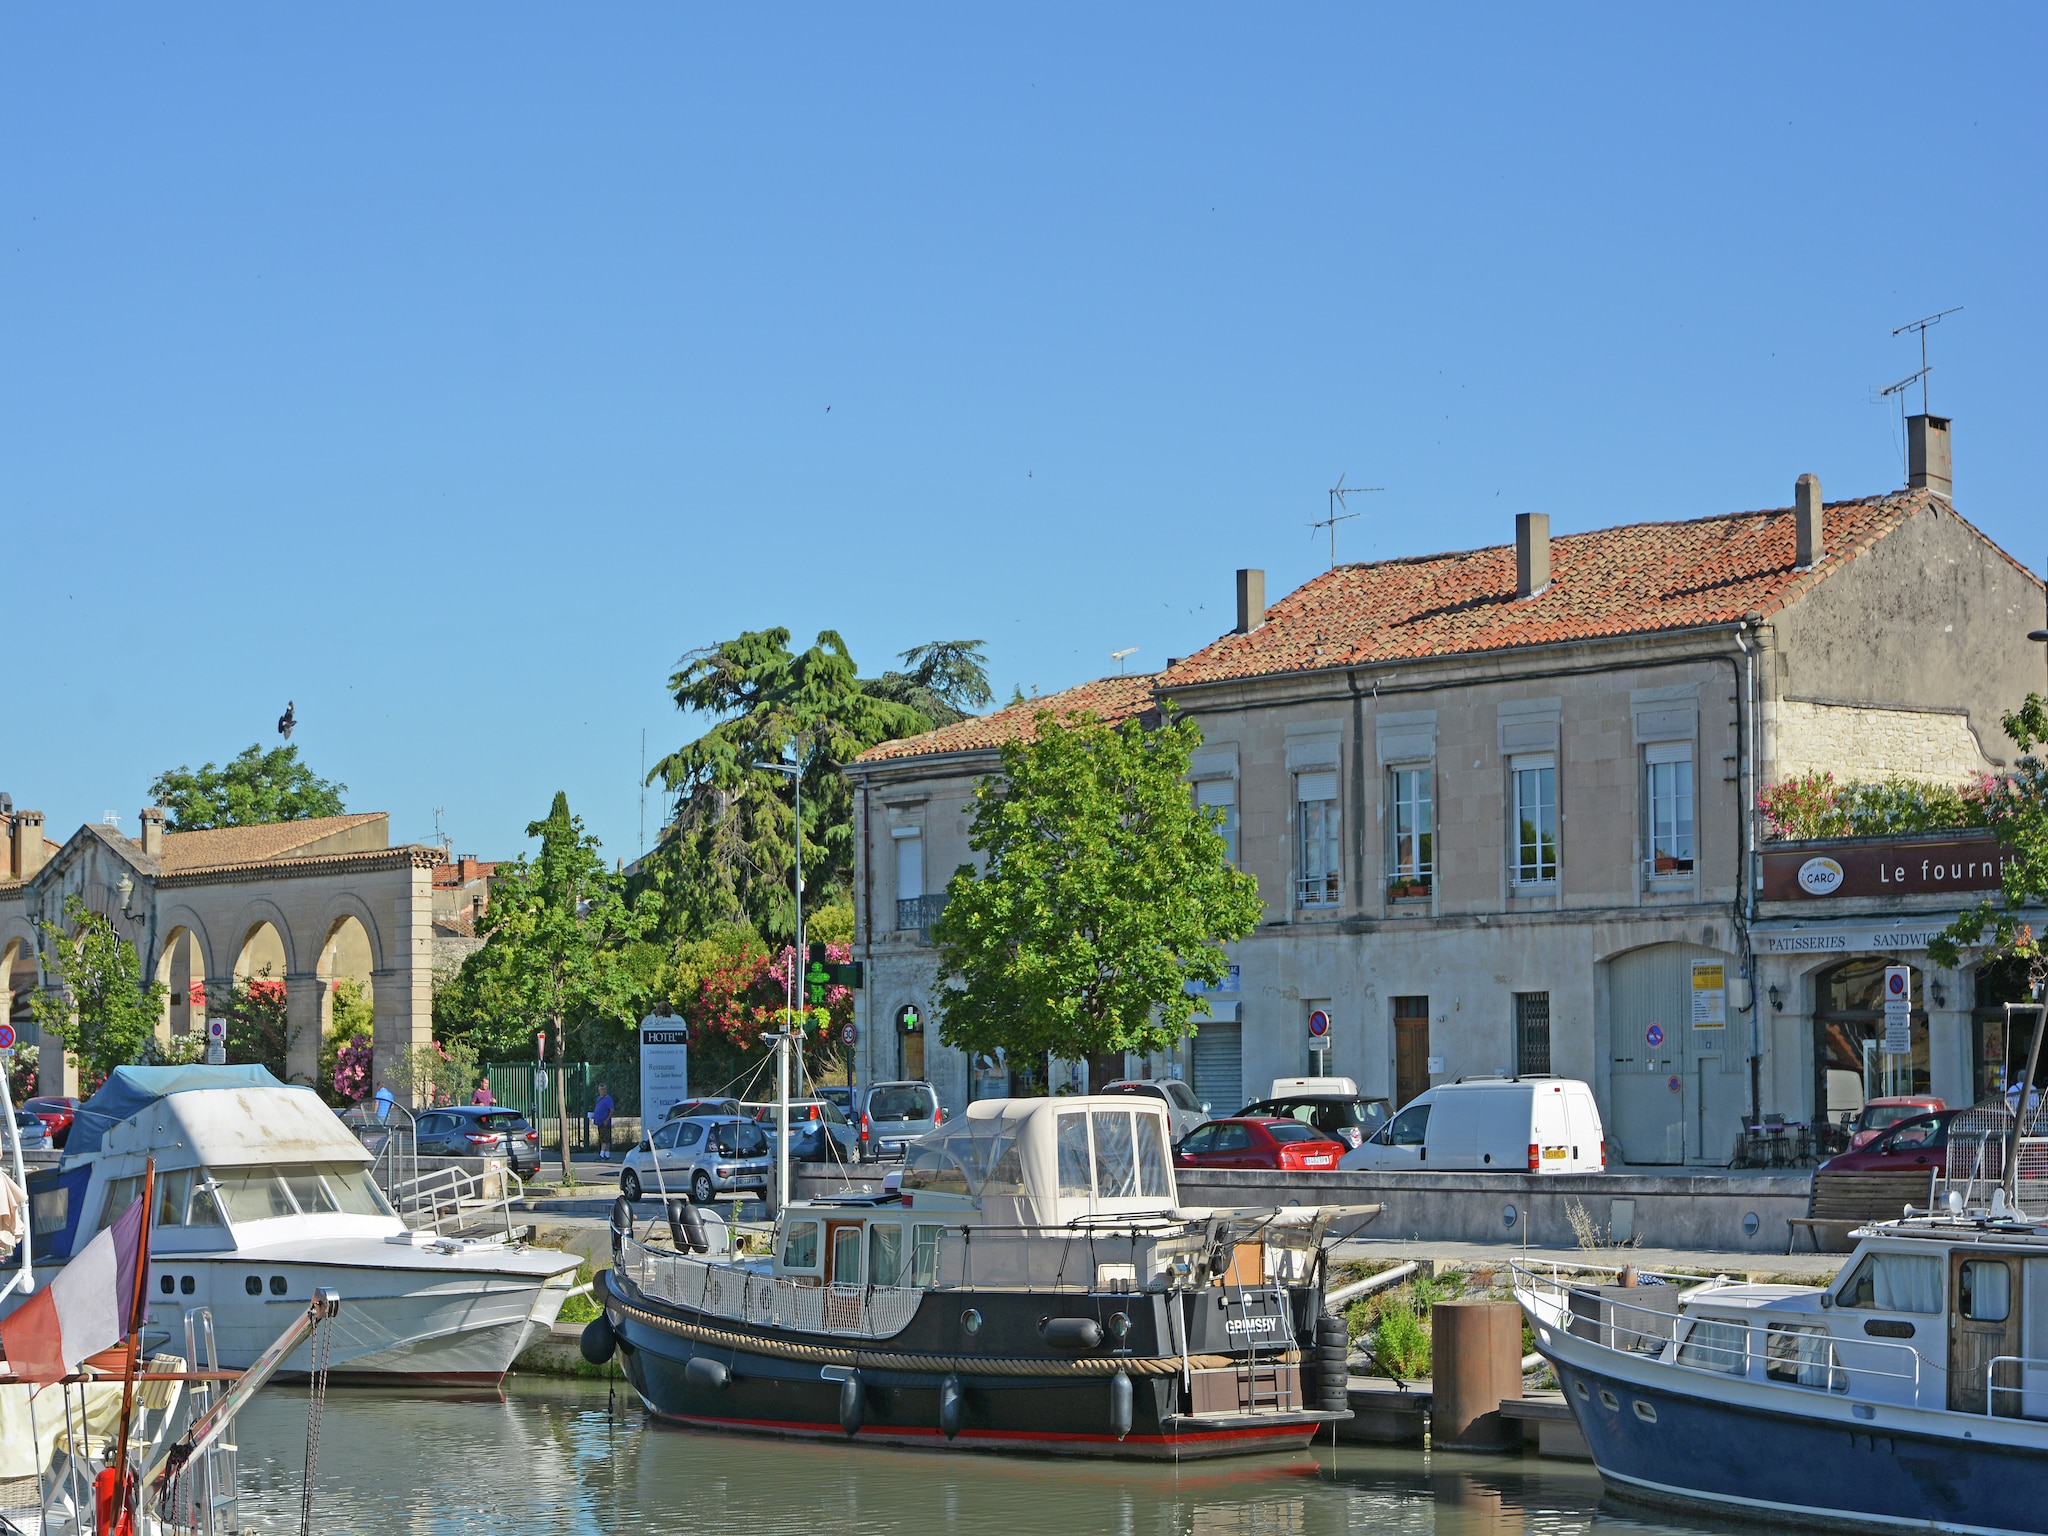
[(257, 786), (727, 856), (1106, 891), (99, 1007), (557, 953), (2015, 805)]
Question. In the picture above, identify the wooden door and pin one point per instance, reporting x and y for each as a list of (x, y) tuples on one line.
[(1411, 1048), (842, 1252), (1983, 1324)]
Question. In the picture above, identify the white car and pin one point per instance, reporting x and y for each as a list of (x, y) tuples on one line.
[(1491, 1125), (1182, 1108)]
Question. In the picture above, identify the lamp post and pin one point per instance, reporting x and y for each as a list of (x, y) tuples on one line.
[(795, 773)]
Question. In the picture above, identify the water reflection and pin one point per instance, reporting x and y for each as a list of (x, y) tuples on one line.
[(552, 1458)]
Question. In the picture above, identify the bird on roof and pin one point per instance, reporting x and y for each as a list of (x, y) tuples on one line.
[(287, 720)]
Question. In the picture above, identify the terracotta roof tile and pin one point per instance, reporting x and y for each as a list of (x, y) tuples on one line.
[(1110, 699), (256, 844), (1637, 579)]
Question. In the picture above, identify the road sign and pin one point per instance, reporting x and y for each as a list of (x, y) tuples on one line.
[(1676, 1084), (1654, 1034), (1318, 1024), (540, 1079), (846, 1033), (1898, 1010), (6, 1037)]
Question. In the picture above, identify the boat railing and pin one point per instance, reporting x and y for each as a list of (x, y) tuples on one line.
[(743, 1295), (1799, 1357), (2033, 1378), (454, 1201), (1974, 1166)]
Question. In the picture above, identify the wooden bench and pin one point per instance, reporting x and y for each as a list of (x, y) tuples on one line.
[(1842, 1202)]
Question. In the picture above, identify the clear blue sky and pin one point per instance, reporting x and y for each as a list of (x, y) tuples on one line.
[(451, 370)]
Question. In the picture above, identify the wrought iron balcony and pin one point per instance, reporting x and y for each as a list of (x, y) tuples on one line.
[(919, 912)]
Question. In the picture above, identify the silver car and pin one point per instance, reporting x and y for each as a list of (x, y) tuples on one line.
[(890, 1116), (704, 1158), (1185, 1110)]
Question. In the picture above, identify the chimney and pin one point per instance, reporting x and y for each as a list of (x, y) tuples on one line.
[(153, 831), (1808, 521), (1251, 600), (1927, 456), (1532, 553), (29, 849)]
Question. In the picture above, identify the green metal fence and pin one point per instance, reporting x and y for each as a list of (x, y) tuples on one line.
[(518, 1085)]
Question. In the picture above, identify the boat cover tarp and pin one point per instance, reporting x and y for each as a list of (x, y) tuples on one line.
[(128, 1089)]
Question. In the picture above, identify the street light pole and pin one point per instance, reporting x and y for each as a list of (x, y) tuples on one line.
[(788, 1039)]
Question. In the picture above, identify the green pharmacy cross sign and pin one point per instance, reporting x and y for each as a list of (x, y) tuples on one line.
[(908, 1020), (822, 974)]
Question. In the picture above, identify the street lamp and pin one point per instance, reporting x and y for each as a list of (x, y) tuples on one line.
[(795, 773)]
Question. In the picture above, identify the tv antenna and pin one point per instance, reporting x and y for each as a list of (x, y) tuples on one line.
[(1337, 515), (1118, 657), (1926, 368)]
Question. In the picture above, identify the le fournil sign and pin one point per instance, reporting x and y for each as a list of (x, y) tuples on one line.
[(1916, 867)]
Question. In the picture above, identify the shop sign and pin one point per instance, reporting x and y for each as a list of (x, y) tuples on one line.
[(1916, 867), (1842, 941), (1709, 996)]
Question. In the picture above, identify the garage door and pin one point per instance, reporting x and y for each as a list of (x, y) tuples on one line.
[(1219, 1067)]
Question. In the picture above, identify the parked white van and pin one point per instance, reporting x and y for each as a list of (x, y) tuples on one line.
[(1491, 1125)]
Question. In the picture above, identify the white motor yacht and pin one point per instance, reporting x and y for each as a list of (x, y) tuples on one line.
[(263, 1197)]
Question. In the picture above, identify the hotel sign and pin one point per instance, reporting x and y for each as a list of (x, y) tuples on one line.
[(1916, 867)]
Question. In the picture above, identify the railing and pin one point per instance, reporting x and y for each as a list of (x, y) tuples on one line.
[(431, 1202), (919, 911), (394, 1160), (744, 1296), (1716, 1346), (1992, 1388), (1319, 891)]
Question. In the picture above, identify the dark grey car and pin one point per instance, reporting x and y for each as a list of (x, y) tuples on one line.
[(890, 1116), (480, 1130)]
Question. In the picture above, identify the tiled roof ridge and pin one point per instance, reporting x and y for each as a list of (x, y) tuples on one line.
[(1125, 694), (418, 855)]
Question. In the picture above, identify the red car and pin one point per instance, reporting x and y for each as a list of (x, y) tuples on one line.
[(1921, 1142), (1248, 1141), (1880, 1115), (56, 1115)]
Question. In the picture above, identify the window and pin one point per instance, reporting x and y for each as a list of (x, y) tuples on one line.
[(909, 863), (1076, 1179), (1713, 1346), (1894, 1282), (1534, 860), (1668, 781), (1984, 1290), (1231, 1136), (1221, 795), (800, 1245), (688, 1133), (846, 1255), (665, 1139), (1116, 1172), (924, 1256), (171, 1190), (1152, 1181), (121, 1194), (1802, 1357), (885, 1255), (1411, 862), (1294, 1130), (1408, 1128), (1532, 1033), (1200, 1139), (1315, 795)]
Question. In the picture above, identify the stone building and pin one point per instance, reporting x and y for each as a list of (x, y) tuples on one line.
[(1500, 802), (306, 902)]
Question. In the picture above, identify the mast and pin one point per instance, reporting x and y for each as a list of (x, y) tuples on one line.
[(138, 1314)]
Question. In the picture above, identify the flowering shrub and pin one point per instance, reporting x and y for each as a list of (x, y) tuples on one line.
[(1814, 805), (746, 994), (352, 1069), (21, 1072)]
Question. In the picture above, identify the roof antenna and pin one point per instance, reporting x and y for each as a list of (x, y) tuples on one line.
[(1919, 377), (1118, 658), (1337, 494)]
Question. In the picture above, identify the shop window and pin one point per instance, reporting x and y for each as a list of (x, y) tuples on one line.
[(1851, 1066)]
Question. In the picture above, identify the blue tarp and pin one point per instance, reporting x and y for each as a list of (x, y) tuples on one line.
[(132, 1088)]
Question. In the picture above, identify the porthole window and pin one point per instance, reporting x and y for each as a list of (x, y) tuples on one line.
[(187, 1285), (1647, 1412), (165, 1284), (277, 1285), (1609, 1400), (253, 1284), (1580, 1388)]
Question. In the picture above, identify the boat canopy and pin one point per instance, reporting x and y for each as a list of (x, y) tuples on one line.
[(1047, 1162), (216, 1115)]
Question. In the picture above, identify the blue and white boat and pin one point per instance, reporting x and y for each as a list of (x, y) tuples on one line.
[(1911, 1394)]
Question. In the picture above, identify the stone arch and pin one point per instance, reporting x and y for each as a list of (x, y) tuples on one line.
[(19, 967), (253, 949), (181, 962), (348, 952)]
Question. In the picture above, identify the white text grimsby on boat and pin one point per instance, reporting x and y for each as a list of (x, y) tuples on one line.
[(1034, 1286)]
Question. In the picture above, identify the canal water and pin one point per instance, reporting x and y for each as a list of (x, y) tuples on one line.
[(558, 1458)]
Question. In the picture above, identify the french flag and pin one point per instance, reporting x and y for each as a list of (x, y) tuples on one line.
[(82, 1311)]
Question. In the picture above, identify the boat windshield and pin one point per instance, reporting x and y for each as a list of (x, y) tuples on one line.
[(298, 1189), (968, 1157)]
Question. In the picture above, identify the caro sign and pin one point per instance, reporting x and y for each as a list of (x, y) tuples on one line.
[(1902, 867)]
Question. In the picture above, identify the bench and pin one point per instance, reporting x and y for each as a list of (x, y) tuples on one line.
[(1842, 1202)]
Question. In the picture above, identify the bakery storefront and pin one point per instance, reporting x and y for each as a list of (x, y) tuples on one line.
[(1837, 920)]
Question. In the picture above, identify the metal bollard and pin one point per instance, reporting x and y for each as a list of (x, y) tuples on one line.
[(1476, 1355)]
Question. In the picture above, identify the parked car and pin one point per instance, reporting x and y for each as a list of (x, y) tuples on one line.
[(1330, 1104), (1258, 1142), (1920, 1142), (704, 1158), (1498, 1125), (479, 1130), (1185, 1110), (1880, 1115), (888, 1117), (56, 1113), (840, 1094), (699, 1109), (32, 1133), (818, 1132)]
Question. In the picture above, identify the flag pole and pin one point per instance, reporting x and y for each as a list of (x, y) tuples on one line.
[(138, 1312)]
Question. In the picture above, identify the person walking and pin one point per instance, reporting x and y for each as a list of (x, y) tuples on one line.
[(601, 1117), (483, 1093)]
